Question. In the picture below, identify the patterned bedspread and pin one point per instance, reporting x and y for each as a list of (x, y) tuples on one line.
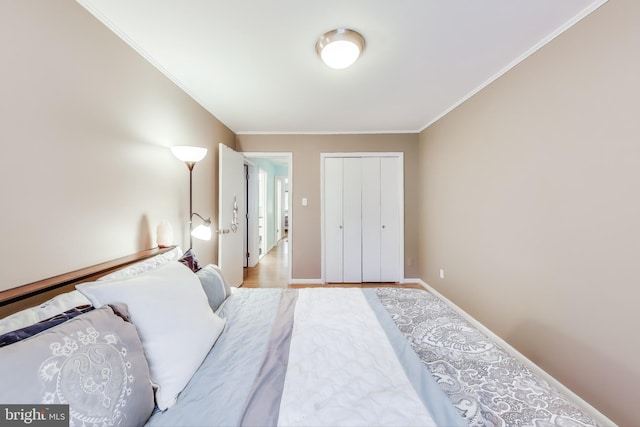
[(316, 357), (487, 385), (310, 357)]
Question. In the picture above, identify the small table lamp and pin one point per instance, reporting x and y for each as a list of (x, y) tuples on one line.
[(164, 234)]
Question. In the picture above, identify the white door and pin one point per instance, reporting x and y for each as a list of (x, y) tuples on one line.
[(382, 189), (391, 242), (279, 219), (371, 225), (352, 221), (343, 211), (253, 249), (230, 211), (263, 229), (333, 219), (363, 211)]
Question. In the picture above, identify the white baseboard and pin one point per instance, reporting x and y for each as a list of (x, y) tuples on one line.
[(597, 415), (306, 281)]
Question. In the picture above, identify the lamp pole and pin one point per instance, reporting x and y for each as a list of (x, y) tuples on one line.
[(190, 165), (190, 156)]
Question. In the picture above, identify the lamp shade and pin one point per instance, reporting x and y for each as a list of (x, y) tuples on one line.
[(188, 153), (340, 48), (202, 232)]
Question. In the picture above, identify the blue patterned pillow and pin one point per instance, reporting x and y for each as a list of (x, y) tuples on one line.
[(31, 330), (94, 362)]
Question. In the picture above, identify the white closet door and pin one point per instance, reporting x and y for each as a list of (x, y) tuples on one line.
[(391, 188), (351, 217), (371, 226), (333, 178), (363, 226)]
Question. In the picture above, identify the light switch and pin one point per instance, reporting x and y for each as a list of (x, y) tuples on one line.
[(305, 202)]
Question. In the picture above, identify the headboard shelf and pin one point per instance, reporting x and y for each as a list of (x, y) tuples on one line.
[(15, 299)]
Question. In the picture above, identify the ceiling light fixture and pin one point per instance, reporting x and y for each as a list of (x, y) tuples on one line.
[(340, 48)]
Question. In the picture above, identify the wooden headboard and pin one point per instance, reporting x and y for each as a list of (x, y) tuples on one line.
[(16, 299)]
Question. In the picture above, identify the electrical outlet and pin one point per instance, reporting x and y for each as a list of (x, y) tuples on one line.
[(442, 273)]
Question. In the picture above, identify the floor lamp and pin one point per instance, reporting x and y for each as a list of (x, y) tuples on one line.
[(190, 156)]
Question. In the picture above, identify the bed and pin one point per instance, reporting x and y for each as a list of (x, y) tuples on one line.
[(160, 340)]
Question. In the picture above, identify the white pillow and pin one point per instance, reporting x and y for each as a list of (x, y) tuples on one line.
[(176, 325), (144, 266), (54, 306), (214, 285)]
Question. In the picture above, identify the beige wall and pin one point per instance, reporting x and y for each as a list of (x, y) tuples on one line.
[(86, 122), (528, 192), (530, 202), (306, 149)]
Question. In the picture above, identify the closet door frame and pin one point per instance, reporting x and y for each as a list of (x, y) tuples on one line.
[(400, 201)]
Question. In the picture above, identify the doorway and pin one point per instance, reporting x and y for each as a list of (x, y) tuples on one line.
[(269, 215)]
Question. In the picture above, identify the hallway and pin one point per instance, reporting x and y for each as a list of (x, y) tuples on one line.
[(272, 270)]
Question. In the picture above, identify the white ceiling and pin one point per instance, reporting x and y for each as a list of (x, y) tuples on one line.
[(253, 65)]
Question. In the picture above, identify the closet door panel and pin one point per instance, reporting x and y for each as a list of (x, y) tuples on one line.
[(371, 237), (352, 217), (391, 187), (333, 256)]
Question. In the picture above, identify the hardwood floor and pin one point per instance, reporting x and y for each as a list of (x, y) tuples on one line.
[(272, 272)]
